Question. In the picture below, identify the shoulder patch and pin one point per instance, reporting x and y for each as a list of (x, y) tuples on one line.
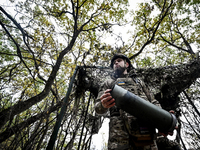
[(121, 83)]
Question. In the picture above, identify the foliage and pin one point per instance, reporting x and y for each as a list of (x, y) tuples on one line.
[(43, 41)]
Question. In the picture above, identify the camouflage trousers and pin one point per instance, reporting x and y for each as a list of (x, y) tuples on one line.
[(119, 138)]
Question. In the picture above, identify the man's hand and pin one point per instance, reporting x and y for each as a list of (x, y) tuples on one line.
[(169, 133), (107, 100)]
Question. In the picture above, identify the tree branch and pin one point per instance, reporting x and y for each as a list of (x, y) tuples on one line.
[(149, 40), (17, 128)]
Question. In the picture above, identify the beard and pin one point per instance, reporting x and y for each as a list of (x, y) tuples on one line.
[(119, 71)]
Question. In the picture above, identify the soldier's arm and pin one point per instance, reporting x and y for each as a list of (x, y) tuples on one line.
[(104, 99), (99, 109)]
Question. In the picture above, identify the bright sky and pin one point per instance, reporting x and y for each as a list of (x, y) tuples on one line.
[(99, 139)]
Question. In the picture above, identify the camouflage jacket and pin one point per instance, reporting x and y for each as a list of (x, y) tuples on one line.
[(122, 124)]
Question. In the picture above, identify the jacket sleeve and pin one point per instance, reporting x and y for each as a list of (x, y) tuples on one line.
[(99, 109)]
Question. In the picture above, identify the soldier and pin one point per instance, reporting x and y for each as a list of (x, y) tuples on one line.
[(126, 132)]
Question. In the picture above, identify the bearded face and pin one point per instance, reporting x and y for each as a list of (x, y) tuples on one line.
[(120, 66)]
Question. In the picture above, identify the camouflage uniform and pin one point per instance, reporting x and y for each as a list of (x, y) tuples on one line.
[(122, 124)]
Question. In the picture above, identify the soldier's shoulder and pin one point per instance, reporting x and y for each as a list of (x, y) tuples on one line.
[(107, 83)]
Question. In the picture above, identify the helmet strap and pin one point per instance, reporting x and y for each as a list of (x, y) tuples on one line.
[(125, 64)]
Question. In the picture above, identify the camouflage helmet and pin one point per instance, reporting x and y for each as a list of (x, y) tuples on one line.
[(119, 55)]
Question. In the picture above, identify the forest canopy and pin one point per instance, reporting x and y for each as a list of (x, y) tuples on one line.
[(46, 43)]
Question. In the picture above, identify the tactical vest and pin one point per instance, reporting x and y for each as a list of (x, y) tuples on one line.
[(140, 133)]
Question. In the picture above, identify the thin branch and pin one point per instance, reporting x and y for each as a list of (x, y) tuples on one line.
[(12, 130), (170, 43), (190, 101), (184, 40), (17, 46), (154, 32)]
